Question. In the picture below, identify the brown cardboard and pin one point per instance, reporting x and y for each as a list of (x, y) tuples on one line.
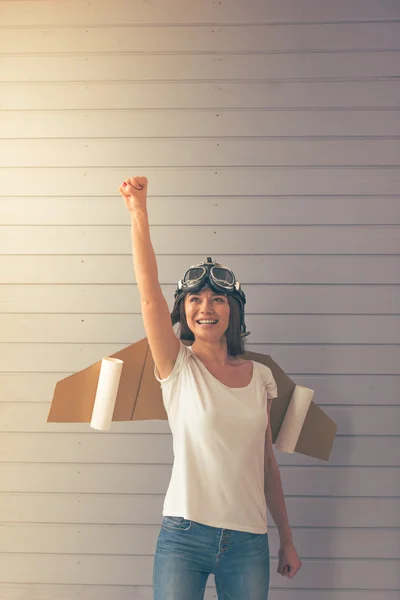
[(140, 398)]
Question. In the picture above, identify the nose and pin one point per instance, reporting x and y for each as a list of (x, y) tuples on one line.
[(206, 306)]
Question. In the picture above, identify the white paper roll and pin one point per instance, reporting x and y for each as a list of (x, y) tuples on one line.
[(106, 394), (294, 419)]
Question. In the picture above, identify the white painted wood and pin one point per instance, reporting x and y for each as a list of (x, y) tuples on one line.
[(204, 39), (322, 543), (130, 94), (213, 210), (142, 509), (127, 12), (276, 329), (198, 122), (208, 67), (120, 478), (367, 389), (137, 570), (261, 269), (260, 299), (315, 359), (211, 181), (174, 153), (351, 420), (275, 126), (97, 592), (103, 239), (351, 447)]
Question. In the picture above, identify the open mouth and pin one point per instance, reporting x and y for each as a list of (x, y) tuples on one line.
[(206, 322)]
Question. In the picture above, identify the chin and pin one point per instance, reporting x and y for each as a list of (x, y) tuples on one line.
[(208, 335)]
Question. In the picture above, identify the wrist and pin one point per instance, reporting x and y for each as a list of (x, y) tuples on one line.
[(285, 537), (137, 211)]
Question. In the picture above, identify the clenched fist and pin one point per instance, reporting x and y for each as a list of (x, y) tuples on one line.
[(134, 193)]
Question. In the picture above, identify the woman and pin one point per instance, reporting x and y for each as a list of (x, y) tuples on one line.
[(218, 405)]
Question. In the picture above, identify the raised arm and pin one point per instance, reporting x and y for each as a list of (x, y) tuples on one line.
[(164, 344)]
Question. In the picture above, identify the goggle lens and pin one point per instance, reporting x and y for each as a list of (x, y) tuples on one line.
[(194, 274), (223, 275)]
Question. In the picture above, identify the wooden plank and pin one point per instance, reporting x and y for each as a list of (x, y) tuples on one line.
[(261, 299), (144, 509), (175, 153), (137, 570), (210, 210), (207, 67), (316, 359), (154, 479), (127, 12), (245, 239), (149, 95), (43, 591), (260, 269), (312, 542), (195, 122), (226, 181), (278, 37), (87, 328), (349, 450), (351, 420), (368, 389)]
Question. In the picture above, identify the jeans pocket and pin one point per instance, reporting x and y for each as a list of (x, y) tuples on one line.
[(176, 524)]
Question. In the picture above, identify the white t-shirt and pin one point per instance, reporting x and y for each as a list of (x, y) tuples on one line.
[(219, 445)]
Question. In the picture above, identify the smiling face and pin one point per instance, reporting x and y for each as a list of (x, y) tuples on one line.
[(207, 314)]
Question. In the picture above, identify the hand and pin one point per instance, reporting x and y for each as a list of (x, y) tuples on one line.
[(289, 562), (134, 193)]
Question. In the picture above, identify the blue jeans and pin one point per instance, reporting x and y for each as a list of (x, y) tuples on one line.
[(187, 552)]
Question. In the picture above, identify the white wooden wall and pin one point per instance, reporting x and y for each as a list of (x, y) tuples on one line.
[(269, 131)]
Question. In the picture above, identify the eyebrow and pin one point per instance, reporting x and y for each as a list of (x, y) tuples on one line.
[(198, 294)]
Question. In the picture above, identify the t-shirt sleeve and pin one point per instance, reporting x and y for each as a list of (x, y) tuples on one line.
[(269, 382), (179, 363), (271, 387)]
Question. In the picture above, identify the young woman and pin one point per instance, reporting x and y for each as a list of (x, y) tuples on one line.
[(218, 404)]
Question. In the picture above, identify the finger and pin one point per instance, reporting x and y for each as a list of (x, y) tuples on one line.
[(292, 572), (122, 191), (138, 182), (128, 188)]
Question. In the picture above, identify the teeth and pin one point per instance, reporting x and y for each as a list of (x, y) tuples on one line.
[(207, 322)]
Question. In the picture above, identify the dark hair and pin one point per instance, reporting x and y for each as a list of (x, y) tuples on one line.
[(234, 340)]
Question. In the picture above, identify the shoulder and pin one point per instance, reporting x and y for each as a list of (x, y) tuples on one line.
[(264, 370), (268, 379)]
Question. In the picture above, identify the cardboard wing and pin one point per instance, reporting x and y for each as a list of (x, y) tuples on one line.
[(139, 397), (316, 431)]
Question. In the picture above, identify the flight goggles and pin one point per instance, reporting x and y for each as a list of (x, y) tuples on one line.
[(218, 277)]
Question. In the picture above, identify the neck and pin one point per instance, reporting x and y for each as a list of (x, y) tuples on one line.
[(213, 352)]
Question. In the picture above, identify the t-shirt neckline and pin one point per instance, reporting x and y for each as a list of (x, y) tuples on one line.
[(203, 366)]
